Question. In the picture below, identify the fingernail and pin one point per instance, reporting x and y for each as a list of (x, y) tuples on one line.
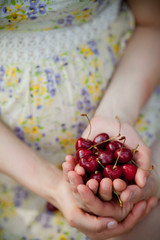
[(112, 225)]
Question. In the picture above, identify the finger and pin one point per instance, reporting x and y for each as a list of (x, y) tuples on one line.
[(67, 166), (133, 194), (96, 205), (134, 217), (93, 185), (151, 203), (119, 185), (69, 158), (79, 170), (93, 224), (74, 180), (142, 159), (105, 189)]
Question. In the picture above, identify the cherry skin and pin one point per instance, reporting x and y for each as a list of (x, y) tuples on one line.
[(83, 153), (112, 172), (89, 163), (50, 207), (113, 146), (125, 155), (128, 172), (100, 138), (105, 156), (97, 175), (83, 143)]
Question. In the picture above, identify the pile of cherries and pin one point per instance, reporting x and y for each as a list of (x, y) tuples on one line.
[(106, 157)]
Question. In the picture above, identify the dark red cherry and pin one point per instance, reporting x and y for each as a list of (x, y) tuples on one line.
[(50, 207), (83, 153), (97, 175), (113, 146), (89, 163), (101, 138), (128, 172), (110, 172), (125, 155), (105, 156), (83, 143)]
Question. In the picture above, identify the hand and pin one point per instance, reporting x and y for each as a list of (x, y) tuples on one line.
[(95, 227), (111, 127), (86, 198)]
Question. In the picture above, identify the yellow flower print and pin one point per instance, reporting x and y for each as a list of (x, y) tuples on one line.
[(92, 78), (49, 102), (13, 72), (96, 87), (14, 16), (10, 27), (26, 129), (63, 237), (23, 17), (18, 6), (40, 90), (96, 63), (86, 51), (34, 130), (31, 121), (8, 9), (116, 48), (91, 89)]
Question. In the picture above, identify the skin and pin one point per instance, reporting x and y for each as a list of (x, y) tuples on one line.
[(44, 179)]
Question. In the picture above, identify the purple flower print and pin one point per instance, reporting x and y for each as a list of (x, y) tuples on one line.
[(42, 8), (20, 195), (158, 90), (60, 21), (33, 2), (5, 10), (33, 10), (58, 79), (93, 46), (49, 73), (84, 92), (80, 105), (19, 133), (69, 20)]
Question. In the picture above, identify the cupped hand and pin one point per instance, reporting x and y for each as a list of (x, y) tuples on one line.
[(112, 127), (86, 197), (95, 227)]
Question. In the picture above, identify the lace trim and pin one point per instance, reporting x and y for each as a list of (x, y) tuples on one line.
[(29, 47)]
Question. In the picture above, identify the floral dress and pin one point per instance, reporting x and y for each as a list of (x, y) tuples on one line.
[(56, 60)]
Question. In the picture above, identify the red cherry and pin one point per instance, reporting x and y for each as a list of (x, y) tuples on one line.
[(89, 163), (124, 155), (83, 153), (112, 172), (97, 176), (50, 207), (128, 172), (83, 143), (101, 138), (112, 146), (105, 157)]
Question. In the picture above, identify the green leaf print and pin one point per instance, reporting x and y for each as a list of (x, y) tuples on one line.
[(13, 2)]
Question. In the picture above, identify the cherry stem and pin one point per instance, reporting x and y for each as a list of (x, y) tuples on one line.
[(85, 115), (119, 124), (135, 150), (124, 139), (120, 202), (150, 169), (93, 146)]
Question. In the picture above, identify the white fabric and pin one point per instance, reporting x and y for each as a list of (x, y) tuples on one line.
[(28, 47)]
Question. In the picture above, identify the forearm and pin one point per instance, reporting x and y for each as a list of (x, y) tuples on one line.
[(135, 78), (21, 163)]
